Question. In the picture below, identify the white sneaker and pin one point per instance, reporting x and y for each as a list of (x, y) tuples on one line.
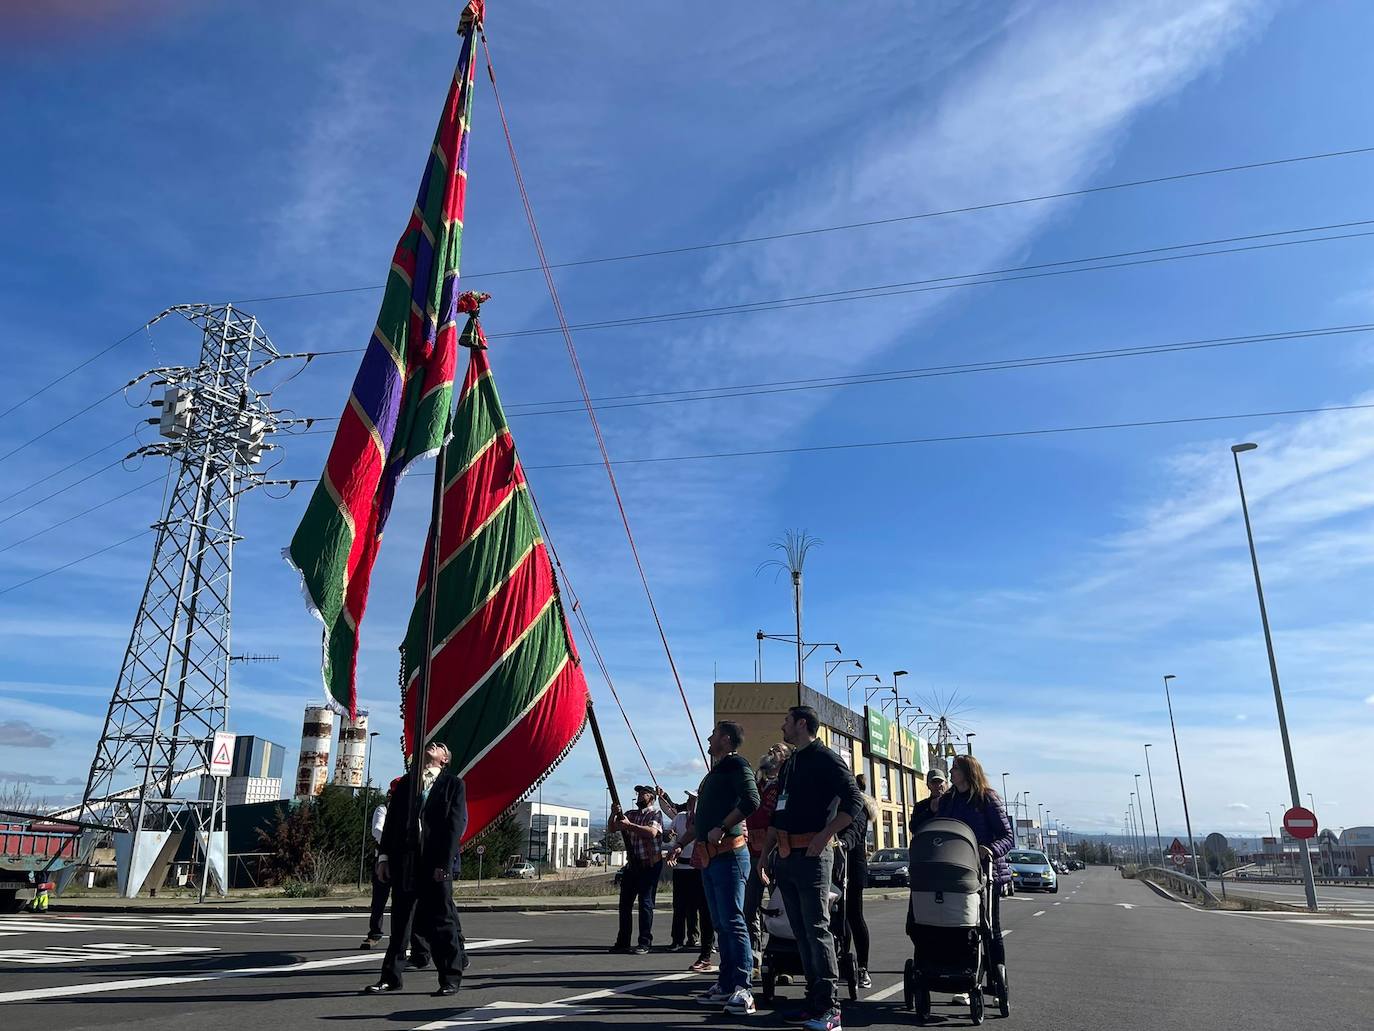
[(714, 996), (959, 1000), (741, 1003)]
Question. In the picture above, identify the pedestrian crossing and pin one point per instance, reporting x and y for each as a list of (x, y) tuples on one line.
[(1327, 904), (54, 923)]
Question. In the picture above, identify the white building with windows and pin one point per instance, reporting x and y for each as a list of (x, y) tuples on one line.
[(557, 835)]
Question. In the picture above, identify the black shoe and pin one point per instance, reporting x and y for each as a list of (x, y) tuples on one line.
[(417, 964), (445, 989), (620, 950), (675, 947), (693, 943), (381, 988), (369, 943), (641, 950), (467, 961)]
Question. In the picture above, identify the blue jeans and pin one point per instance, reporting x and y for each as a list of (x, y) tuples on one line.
[(724, 878)]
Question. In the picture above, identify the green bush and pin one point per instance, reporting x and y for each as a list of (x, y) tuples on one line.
[(294, 889)]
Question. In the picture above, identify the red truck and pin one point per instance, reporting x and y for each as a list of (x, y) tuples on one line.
[(38, 849)]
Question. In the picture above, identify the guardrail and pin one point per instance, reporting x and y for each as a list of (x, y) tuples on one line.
[(1179, 884), (1352, 882)]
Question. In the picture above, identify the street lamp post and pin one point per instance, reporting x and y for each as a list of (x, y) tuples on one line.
[(1007, 801), (367, 787), (1040, 823), (1048, 821), (850, 680), (897, 729), (1159, 843), (1309, 881), (1144, 838), (1130, 817), (833, 664), (968, 741), (1173, 729)]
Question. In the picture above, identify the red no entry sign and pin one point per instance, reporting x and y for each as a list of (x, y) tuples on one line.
[(1300, 823)]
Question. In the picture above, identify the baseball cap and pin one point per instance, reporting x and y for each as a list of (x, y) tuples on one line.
[(936, 774), (645, 787)]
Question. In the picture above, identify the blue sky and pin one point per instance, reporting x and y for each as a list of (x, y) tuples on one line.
[(175, 154)]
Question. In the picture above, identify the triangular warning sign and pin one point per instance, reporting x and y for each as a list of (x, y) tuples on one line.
[(222, 756), (1177, 847)]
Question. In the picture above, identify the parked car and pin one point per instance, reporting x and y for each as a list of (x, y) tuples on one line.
[(1031, 870), (888, 866), (520, 871)]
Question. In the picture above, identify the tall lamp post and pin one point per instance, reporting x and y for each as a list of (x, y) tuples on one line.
[(1173, 729), (968, 741), (1159, 844), (1309, 881), (901, 774), (1040, 835), (1007, 801), (1140, 814), (853, 678), (833, 664), (367, 788)]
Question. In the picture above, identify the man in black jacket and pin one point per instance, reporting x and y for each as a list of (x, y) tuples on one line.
[(817, 800), (422, 883)]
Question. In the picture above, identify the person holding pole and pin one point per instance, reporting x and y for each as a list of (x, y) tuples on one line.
[(419, 863), (381, 890), (642, 829)]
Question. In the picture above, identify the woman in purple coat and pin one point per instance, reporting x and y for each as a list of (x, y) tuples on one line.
[(973, 801)]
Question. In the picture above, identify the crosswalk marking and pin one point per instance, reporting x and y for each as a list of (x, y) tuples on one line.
[(77, 955), (134, 983)]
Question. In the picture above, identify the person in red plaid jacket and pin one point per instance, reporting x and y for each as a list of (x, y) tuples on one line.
[(642, 829)]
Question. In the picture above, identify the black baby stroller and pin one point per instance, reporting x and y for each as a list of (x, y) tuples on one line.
[(780, 955), (950, 921)]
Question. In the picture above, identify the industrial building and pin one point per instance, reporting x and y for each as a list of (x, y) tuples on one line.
[(556, 835), (257, 771)]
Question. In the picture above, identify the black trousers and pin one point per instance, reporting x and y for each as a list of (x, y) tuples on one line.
[(381, 892), (638, 883), (856, 879), (685, 910), (753, 903), (427, 911)]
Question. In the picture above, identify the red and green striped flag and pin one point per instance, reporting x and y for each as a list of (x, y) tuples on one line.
[(401, 401), (506, 691)]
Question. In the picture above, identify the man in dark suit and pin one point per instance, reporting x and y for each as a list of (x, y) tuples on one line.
[(422, 882)]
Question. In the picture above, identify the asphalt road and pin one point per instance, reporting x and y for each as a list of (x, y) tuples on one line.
[(1350, 899), (1103, 953)]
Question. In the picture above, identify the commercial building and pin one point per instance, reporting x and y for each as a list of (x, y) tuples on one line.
[(1349, 853), (893, 760), (256, 774), (556, 835)]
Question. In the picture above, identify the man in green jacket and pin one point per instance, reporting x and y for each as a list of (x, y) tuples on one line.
[(727, 795)]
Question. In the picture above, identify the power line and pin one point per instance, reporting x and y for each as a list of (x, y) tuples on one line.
[(78, 515), (70, 465), (951, 282), (61, 490), (793, 234), (952, 438), (650, 398), (75, 368), (63, 422), (1016, 273), (1005, 434), (76, 561)]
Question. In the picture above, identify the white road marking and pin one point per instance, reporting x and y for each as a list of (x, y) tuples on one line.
[(1059, 903), (132, 983), (886, 993), (499, 1013), (1125, 905), (77, 955), (1007, 932), (1041, 913)]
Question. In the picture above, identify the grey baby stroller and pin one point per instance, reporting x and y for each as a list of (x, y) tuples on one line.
[(780, 954), (950, 922)]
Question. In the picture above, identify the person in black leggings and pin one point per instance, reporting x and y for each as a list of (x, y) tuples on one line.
[(855, 838)]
